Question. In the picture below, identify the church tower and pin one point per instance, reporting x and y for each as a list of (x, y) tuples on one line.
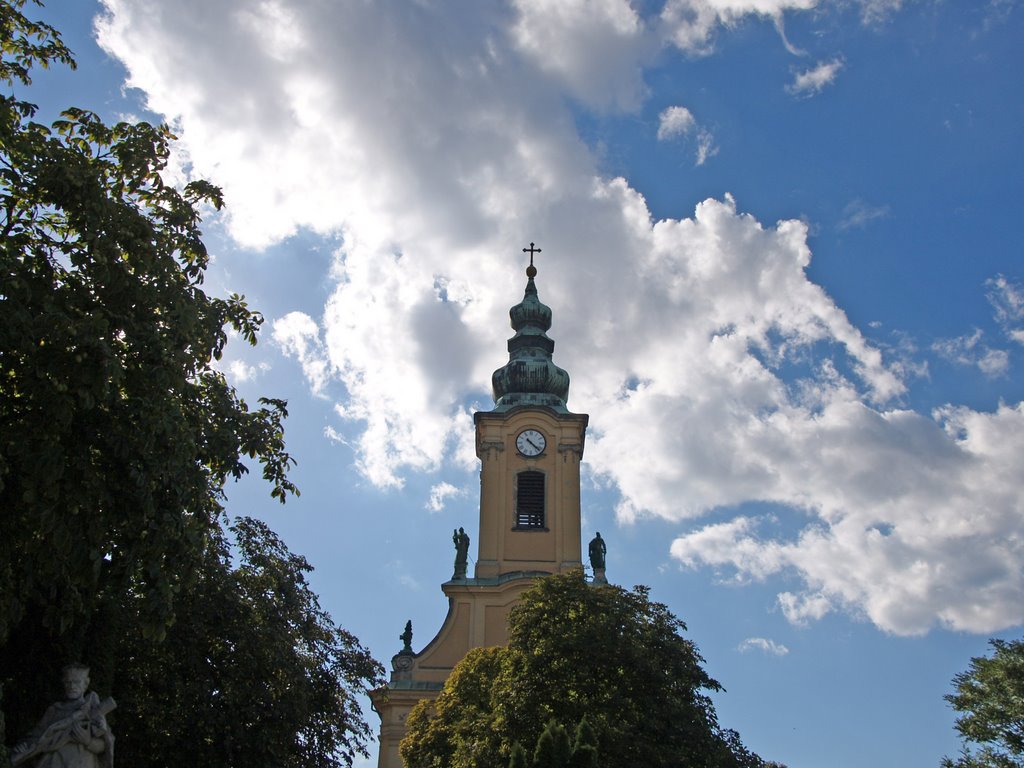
[(530, 447)]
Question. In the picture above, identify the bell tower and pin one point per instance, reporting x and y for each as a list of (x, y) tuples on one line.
[(530, 447)]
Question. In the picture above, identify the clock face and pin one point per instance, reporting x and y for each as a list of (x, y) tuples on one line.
[(531, 442)]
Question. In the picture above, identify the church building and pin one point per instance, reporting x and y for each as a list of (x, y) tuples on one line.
[(530, 447)]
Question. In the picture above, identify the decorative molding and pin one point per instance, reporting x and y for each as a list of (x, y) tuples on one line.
[(401, 666), (576, 449), (486, 446)]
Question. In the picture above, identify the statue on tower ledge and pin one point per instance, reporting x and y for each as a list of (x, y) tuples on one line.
[(461, 541), (598, 550)]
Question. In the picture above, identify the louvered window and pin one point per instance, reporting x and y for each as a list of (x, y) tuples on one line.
[(530, 499)]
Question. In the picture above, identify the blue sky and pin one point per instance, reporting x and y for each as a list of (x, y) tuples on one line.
[(781, 249)]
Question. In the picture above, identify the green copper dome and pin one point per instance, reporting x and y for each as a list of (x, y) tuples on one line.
[(529, 377)]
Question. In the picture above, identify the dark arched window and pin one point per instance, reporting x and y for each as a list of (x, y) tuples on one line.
[(530, 499)]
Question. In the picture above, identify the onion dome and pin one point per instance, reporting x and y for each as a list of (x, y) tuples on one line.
[(529, 377)]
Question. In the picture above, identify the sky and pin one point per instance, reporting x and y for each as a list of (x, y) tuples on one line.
[(780, 243)]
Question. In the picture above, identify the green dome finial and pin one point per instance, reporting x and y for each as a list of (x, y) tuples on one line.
[(530, 377)]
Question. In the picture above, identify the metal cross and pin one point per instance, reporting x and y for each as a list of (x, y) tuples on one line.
[(531, 250)]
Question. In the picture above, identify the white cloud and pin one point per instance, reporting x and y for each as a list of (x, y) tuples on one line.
[(917, 530), (763, 644), (803, 608), (241, 371), (594, 47), (705, 146), (812, 81), (857, 214), (298, 335), (436, 142), (1007, 299), (972, 351), (675, 121), (400, 573), (693, 23), (876, 11), (440, 493)]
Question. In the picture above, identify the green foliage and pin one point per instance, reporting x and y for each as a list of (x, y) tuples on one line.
[(990, 696), (518, 758), (553, 748), (117, 434), (278, 680), (578, 651), (26, 44), (117, 437), (584, 748), (458, 729)]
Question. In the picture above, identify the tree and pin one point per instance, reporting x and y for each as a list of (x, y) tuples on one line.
[(277, 679), (584, 748), (553, 749), (117, 437), (459, 729), (990, 696), (579, 651), (518, 759), (117, 434)]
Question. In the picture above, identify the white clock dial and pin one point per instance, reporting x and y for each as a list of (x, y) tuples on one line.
[(531, 442)]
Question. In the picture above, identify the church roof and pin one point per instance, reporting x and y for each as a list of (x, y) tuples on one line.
[(530, 377)]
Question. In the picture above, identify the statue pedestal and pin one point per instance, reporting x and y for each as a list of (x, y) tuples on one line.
[(599, 577)]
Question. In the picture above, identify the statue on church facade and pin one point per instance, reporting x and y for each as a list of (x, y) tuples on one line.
[(597, 551), (72, 733), (406, 638), (461, 541)]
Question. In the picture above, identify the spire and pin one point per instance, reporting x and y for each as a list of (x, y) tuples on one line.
[(530, 377)]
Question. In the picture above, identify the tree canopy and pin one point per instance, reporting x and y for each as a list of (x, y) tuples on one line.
[(990, 699), (576, 651), (117, 433), (275, 680), (117, 437)]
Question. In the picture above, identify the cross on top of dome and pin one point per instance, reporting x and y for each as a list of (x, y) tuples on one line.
[(531, 271)]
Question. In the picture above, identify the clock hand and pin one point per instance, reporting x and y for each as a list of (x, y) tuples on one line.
[(537, 447)]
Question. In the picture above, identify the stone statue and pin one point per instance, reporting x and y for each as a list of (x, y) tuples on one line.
[(73, 733), (461, 540), (406, 638), (598, 550)]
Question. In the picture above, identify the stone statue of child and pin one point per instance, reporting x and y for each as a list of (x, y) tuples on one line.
[(73, 733), (461, 540)]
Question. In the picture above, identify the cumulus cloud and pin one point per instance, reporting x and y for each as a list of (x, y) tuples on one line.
[(594, 47), (812, 81), (675, 121), (763, 644), (918, 531), (436, 142)]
